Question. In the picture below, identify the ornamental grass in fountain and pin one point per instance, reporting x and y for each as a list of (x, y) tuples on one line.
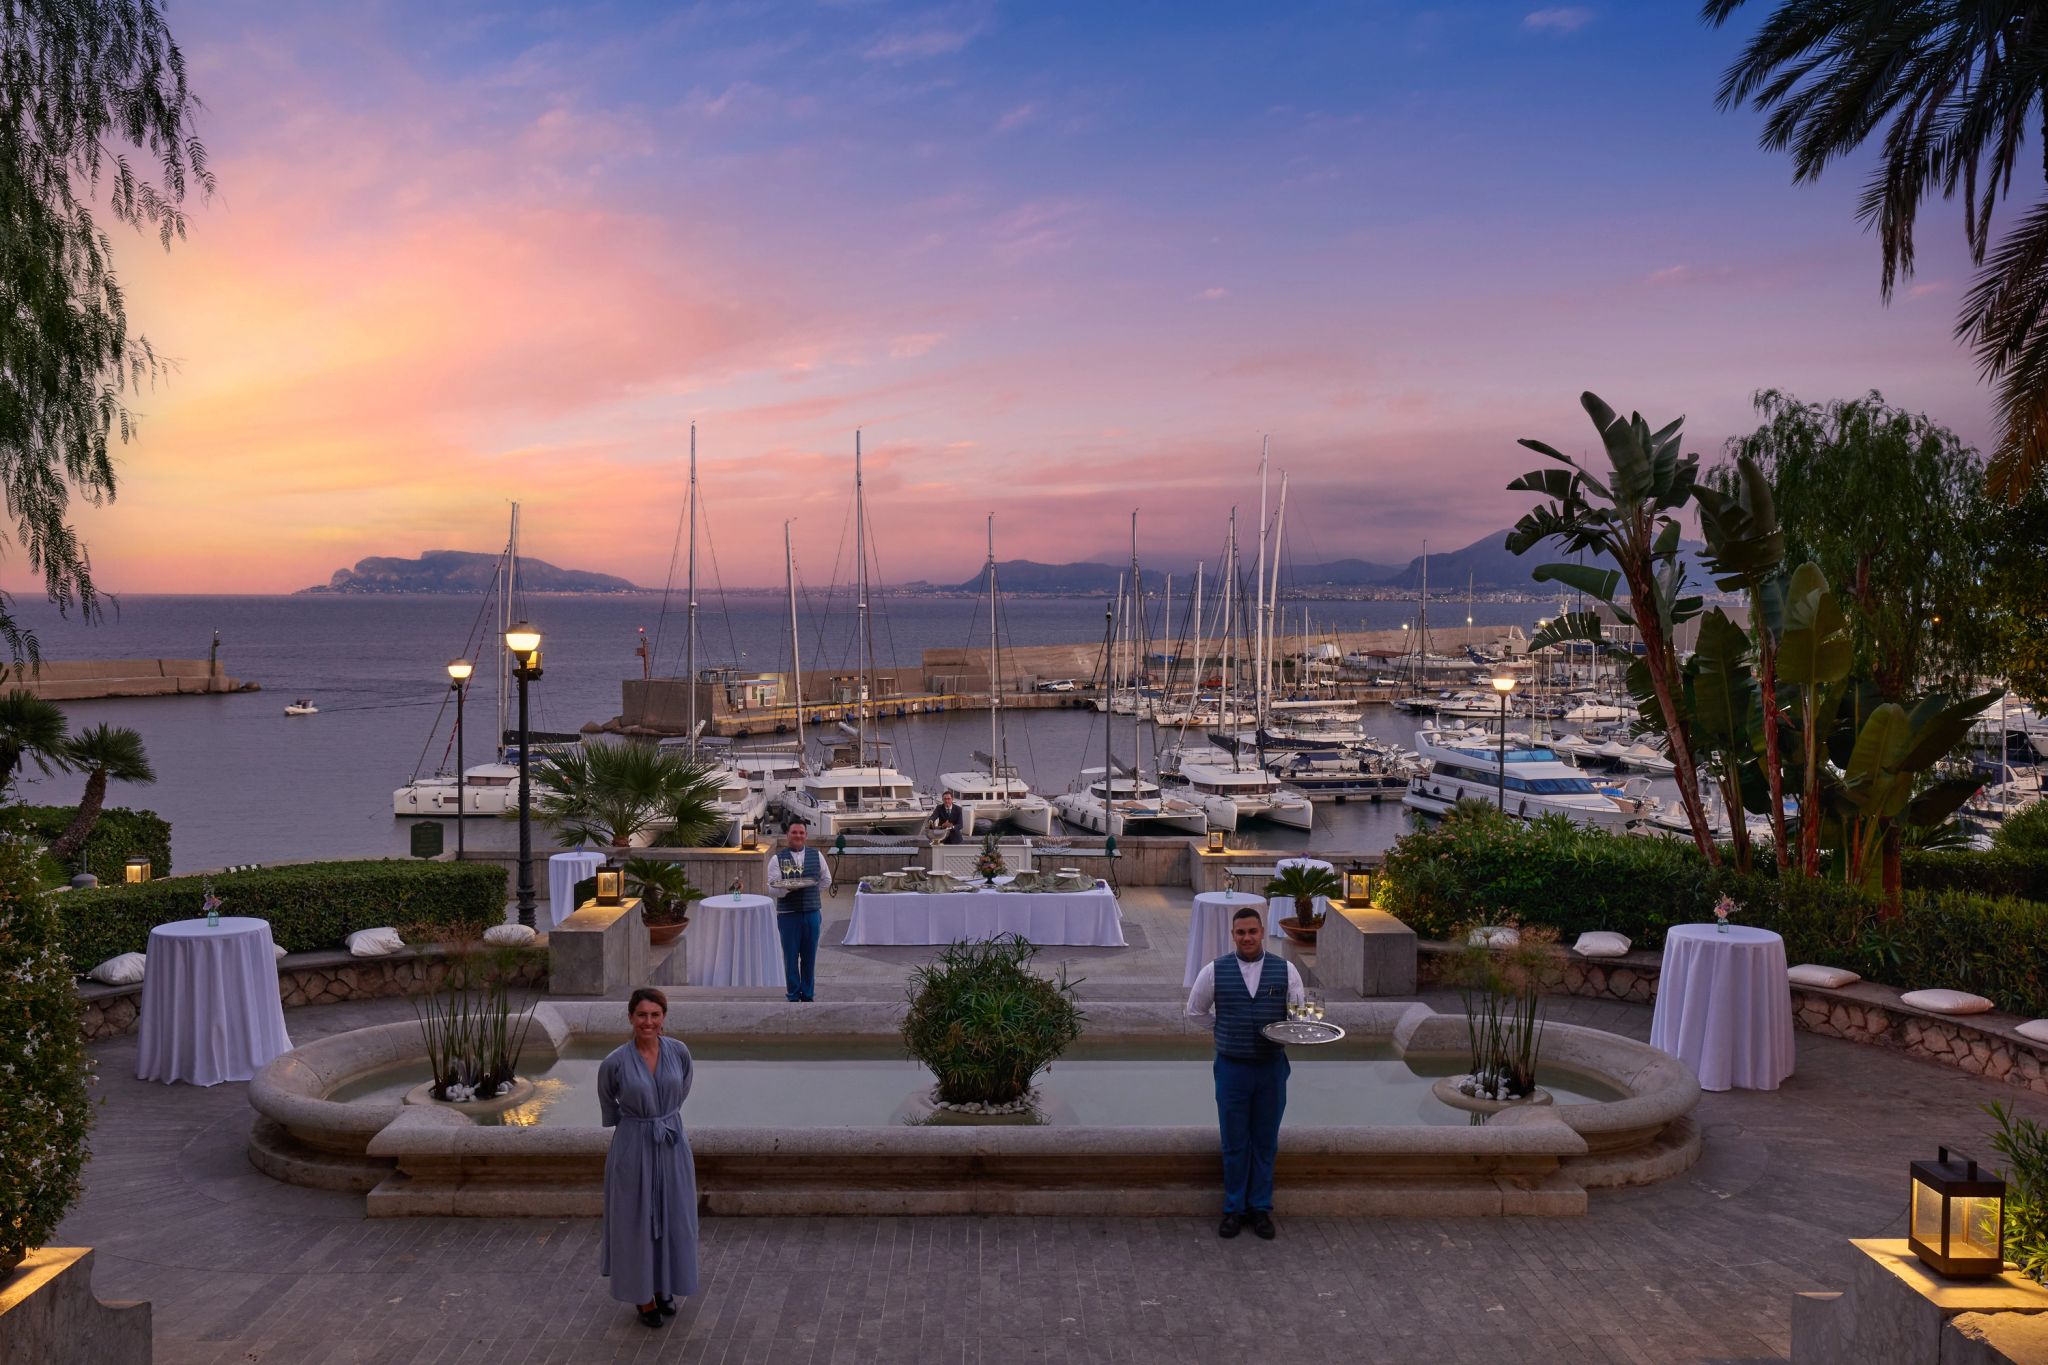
[(1501, 971), (986, 1024), (473, 1039)]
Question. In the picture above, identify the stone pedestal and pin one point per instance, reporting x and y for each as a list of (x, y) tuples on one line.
[(600, 950), (1365, 951), (1896, 1308), (48, 1315)]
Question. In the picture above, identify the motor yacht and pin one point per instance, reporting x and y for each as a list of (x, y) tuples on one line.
[(1231, 791), (1341, 775), (1526, 780), (1136, 805), (492, 789), (998, 797), (866, 799)]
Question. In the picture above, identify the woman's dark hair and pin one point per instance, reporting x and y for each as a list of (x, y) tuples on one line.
[(646, 993), (1243, 912)]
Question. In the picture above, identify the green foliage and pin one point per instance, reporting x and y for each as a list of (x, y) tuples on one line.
[(44, 1110), (1475, 864), (2016, 590), (607, 793), (31, 730), (118, 835), (2024, 1145), (473, 1040), (310, 906), (106, 753), (665, 888), (1502, 986), (2025, 832), (1302, 884), (985, 1023), (1997, 871)]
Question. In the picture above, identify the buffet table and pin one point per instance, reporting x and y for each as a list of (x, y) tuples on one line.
[(210, 1005), (733, 943), (1077, 918)]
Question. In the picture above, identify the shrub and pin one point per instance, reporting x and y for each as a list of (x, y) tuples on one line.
[(985, 1023), (2025, 832), (1479, 865), (2002, 870), (310, 906), (2024, 1145), (44, 1112), (119, 835)]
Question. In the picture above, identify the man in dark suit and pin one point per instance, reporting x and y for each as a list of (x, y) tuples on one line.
[(948, 816)]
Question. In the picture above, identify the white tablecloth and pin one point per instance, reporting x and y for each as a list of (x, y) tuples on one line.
[(210, 1008), (1724, 1006), (732, 942), (564, 871), (1283, 906), (1209, 926), (1087, 918)]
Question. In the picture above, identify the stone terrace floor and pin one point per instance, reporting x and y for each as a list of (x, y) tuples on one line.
[(1700, 1268)]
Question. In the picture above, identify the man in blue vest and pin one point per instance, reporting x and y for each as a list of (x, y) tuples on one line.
[(1248, 989), (799, 877)]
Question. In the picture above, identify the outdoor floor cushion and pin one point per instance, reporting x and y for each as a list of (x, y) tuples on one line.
[(1828, 978), (374, 942), (1945, 1002), (512, 935), (1601, 943), (2036, 1029), (122, 970)]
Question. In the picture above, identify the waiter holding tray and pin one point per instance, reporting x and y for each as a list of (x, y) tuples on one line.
[(1247, 990), (798, 877)]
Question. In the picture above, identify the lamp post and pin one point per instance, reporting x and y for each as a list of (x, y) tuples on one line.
[(524, 642), (1503, 683), (458, 683)]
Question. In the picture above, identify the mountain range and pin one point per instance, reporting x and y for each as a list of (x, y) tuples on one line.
[(461, 571)]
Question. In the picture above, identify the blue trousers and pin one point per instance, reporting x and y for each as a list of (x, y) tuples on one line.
[(799, 933), (1250, 1097)]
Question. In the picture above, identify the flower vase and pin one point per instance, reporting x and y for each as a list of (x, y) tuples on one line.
[(1720, 926)]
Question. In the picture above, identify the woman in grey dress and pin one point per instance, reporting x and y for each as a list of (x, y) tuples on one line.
[(650, 1181)]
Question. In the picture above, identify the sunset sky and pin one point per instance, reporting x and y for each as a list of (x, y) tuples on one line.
[(1057, 260)]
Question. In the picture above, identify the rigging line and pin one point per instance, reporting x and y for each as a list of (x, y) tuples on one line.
[(675, 550), (469, 640), (718, 588)]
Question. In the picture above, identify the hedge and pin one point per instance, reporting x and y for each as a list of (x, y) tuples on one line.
[(310, 906), (117, 836), (1476, 865), (1997, 871)]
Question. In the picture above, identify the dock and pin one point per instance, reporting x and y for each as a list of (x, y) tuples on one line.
[(100, 679)]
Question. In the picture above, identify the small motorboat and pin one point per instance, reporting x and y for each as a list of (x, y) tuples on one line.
[(302, 707)]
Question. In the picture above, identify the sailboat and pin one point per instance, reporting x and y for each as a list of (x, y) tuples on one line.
[(993, 793), (856, 790)]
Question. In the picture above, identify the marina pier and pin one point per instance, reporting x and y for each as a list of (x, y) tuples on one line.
[(97, 679)]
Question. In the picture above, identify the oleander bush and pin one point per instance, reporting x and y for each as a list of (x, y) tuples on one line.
[(310, 906), (119, 835), (985, 1023), (1477, 863), (44, 1110)]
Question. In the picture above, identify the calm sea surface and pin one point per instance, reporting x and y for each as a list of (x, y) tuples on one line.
[(241, 782)]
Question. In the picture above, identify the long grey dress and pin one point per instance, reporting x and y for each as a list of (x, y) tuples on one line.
[(650, 1180)]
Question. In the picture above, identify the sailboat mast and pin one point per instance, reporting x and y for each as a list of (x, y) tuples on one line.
[(796, 662), (1422, 631), (690, 635), (1135, 615), (860, 591), (995, 672), (1259, 603), (1228, 716), (508, 584), (1273, 594), (1195, 683)]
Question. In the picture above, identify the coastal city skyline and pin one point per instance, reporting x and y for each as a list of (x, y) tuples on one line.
[(1058, 264)]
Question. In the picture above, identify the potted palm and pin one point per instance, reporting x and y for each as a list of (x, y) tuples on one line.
[(666, 894), (1304, 884), (613, 794)]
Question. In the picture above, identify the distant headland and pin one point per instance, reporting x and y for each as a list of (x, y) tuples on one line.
[(462, 571)]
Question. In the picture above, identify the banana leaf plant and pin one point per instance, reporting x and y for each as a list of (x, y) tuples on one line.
[(1886, 783), (1722, 698), (1815, 654), (1629, 517)]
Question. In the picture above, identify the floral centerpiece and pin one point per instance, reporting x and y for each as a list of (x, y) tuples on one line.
[(1723, 908), (990, 864)]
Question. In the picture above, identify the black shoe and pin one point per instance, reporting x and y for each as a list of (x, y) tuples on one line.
[(1262, 1224), (1231, 1225), (651, 1317), (664, 1305)]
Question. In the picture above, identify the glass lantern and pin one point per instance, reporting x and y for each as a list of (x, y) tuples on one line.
[(1357, 885), (137, 871), (750, 836), (1956, 1221), (611, 886), (1215, 841)]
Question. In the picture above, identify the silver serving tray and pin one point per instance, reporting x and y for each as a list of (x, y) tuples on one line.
[(1302, 1032)]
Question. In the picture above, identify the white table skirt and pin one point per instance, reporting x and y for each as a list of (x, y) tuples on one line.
[(1084, 918), (1283, 906), (1209, 926), (210, 1007), (732, 942), (564, 871), (1724, 1006)]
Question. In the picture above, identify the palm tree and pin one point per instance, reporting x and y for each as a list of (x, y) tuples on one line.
[(608, 793), (1957, 87), (34, 730), (107, 754)]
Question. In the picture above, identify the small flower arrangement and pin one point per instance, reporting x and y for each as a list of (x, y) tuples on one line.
[(1723, 908), (990, 864)]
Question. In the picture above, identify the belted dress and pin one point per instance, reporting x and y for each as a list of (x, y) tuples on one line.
[(650, 1181)]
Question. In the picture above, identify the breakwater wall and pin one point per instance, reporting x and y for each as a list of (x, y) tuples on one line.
[(93, 679)]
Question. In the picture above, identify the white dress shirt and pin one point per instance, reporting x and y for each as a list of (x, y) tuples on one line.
[(1202, 999), (775, 881)]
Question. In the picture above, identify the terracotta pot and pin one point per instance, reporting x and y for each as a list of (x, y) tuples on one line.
[(658, 934), (1299, 932)]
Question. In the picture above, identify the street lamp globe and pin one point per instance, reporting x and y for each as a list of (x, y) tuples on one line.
[(522, 639), (1503, 683), (459, 670)]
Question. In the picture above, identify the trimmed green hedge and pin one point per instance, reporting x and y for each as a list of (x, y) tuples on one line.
[(44, 1107), (1995, 872), (1476, 865), (310, 906), (119, 835)]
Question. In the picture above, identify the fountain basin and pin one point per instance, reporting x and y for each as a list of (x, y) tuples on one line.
[(429, 1160)]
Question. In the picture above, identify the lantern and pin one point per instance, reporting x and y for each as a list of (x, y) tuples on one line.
[(1956, 1217), (1109, 846), (611, 886), (839, 845), (1215, 841), (1357, 884), (137, 870), (750, 836)]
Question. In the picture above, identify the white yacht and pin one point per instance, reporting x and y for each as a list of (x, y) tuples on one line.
[(872, 799), (1996, 802), (998, 797), (1231, 792), (1527, 781), (739, 802), (1136, 806), (492, 789)]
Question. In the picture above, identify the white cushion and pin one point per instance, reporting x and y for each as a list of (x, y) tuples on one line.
[(278, 949), (511, 935), (124, 970), (374, 942), (2036, 1029), (1601, 943), (1828, 978), (1945, 1002), (1494, 936)]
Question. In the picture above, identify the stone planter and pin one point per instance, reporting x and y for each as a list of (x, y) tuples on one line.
[(658, 934), (521, 1091), (1447, 1089), (1299, 932)]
